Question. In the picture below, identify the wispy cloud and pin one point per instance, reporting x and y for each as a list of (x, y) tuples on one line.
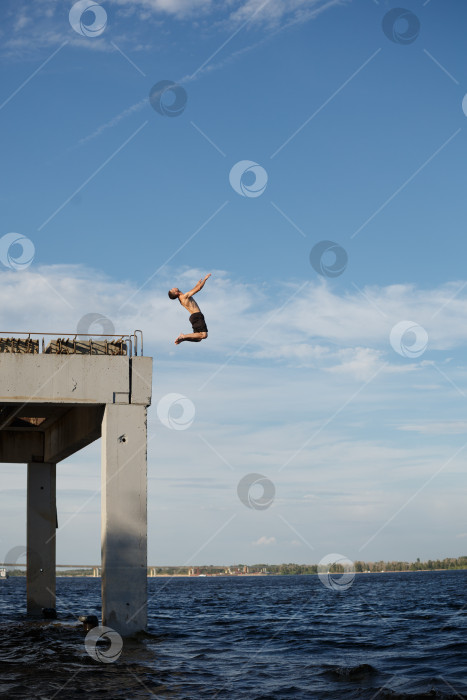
[(269, 13), (181, 9), (458, 427), (264, 541), (276, 13), (32, 25)]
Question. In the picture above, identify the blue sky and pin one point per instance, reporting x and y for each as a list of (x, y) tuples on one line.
[(362, 139)]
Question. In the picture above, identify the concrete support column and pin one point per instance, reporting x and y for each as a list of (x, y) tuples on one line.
[(41, 545), (124, 518)]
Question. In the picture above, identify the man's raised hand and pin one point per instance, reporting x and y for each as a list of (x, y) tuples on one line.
[(201, 282)]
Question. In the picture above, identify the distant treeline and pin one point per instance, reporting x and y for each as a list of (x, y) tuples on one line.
[(295, 569), (363, 566), (430, 565), (63, 572), (291, 569)]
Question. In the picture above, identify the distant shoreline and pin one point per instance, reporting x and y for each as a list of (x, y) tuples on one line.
[(76, 573), (261, 575), (357, 573)]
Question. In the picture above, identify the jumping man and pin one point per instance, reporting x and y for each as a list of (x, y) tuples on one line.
[(200, 330)]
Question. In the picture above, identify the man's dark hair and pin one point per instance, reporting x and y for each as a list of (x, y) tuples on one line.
[(172, 295)]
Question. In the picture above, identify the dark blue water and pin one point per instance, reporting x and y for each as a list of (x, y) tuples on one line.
[(387, 636)]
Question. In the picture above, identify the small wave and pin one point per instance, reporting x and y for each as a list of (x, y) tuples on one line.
[(387, 694), (281, 692), (453, 646), (351, 673)]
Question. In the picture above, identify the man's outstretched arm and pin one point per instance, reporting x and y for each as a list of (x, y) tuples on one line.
[(198, 286)]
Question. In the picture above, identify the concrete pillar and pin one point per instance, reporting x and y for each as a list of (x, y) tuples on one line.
[(124, 518), (41, 526)]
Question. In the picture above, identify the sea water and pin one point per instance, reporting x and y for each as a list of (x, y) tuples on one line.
[(388, 635)]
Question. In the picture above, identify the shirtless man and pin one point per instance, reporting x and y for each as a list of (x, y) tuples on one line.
[(200, 330)]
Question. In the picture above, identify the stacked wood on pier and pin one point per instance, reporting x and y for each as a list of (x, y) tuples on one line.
[(72, 346), (21, 345)]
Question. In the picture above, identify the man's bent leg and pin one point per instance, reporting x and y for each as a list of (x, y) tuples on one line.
[(191, 337)]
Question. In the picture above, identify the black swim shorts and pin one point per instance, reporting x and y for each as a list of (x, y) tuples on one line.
[(198, 323)]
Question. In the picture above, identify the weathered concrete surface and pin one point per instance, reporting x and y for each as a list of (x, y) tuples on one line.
[(141, 380), (124, 519), (74, 378), (41, 522), (72, 431), (16, 446), (67, 417)]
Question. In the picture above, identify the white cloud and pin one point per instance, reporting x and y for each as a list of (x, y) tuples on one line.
[(458, 427), (22, 20), (41, 24), (179, 8), (359, 362), (274, 12), (264, 541), (269, 12)]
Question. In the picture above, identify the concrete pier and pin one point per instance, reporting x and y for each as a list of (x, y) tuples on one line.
[(124, 518), (41, 522), (52, 405)]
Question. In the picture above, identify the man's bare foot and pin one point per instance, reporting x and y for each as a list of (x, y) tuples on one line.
[(179, 339)]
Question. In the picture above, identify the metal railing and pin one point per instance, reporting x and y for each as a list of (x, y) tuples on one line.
[(24, 342)]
